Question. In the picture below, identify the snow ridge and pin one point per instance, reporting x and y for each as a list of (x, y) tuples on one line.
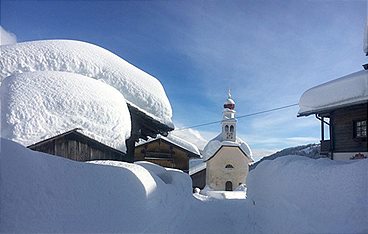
[(140, 89)]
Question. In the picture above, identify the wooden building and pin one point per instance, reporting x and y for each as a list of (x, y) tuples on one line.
[(167, 152), (198, 176), (77, 146), (342, 111), (143, 127)]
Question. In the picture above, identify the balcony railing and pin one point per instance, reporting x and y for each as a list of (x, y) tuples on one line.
[(325, 146)]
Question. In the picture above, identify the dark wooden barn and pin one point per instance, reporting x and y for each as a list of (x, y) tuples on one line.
[(165, 153), (143, 126), (77, 146), (198, 176)]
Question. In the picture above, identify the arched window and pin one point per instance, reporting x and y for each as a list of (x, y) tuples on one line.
[(226, 128), (231, 128), (229, 166), (228, 186)]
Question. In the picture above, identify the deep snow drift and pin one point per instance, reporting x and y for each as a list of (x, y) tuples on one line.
[(140, 89), (39, 105), (44, 193)]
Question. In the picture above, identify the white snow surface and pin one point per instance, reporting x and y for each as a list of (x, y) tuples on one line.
[(39, 105), (215, 144), (140, 89), (365, 43), (42, 193), (176, 141), (348, 90)]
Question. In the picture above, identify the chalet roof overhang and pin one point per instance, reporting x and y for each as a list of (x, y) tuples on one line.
[(75, 134), (145, 125), (190, 153), (234, 146), (325, 111)]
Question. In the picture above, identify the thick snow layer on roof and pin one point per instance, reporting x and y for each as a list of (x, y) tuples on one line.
[(176, 141), (41, 193), (39, 105), (348, 90), (140, 89), (215, 144)]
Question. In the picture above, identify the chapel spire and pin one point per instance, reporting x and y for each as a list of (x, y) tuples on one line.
[(228, 120)]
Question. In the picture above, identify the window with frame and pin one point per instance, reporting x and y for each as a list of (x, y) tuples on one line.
[(360, 129)]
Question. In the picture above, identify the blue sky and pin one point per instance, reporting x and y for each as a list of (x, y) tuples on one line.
[(267, 52)]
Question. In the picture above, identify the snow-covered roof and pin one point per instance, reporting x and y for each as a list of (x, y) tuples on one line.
[(176, 141), (140, 89), (197, 167), (216, 143), (39, 105), (348, 90)]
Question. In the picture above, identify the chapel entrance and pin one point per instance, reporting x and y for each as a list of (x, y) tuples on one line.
[(228, 186)]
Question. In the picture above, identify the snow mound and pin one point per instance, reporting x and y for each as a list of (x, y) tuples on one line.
[(295, 194), (176, 141), (157, 170), (140, 89), (39, 105), (348, 90), (215, 144), (42, 193)]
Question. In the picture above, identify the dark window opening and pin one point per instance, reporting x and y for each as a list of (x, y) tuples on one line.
[(229, 166), (228, 186), (360, 129), (231, 128)]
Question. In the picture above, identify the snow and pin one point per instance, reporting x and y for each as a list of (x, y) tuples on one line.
[(215, 144), (348, 90), (140, 89), (50, 194), (295, 194), (365, 43), (176, 141), (196, 166), (6, 37), (39, 105)]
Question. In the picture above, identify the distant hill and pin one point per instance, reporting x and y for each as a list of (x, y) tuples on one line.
[(311, 151)]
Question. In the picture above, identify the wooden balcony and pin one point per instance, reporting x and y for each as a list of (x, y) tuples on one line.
[(325, 146)]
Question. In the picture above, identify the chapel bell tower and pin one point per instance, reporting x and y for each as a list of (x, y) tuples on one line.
[(228, 120)]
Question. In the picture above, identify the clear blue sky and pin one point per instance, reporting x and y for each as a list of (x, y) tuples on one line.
[(267, 52)]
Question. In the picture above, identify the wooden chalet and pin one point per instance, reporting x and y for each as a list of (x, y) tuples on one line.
[(198, 176), (164, 152), (143, 126), (344, 123), (77, 146)]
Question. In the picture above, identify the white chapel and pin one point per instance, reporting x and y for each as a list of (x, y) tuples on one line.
[(227, 157)]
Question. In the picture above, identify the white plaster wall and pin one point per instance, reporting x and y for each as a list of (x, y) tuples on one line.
[(347, 156), (217, 174)]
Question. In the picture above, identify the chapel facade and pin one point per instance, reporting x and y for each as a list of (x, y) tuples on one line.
[(227, 157)]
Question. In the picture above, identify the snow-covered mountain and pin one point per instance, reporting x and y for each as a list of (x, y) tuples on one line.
[(310, 151)]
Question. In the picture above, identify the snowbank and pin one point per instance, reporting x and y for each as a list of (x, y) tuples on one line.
[(140, 89), (215, 144), (348, 90), (295, 194), (39, 105), (50, 194)]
